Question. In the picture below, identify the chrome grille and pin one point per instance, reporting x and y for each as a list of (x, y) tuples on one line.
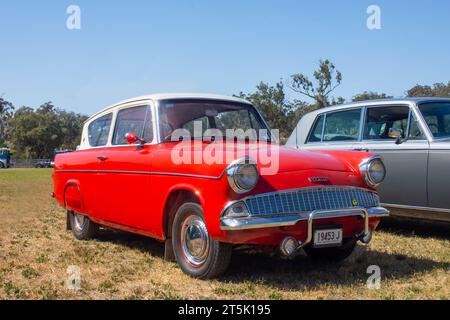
[(310, 199)]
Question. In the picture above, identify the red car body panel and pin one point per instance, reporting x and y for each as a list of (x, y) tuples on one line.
[(129, 187)]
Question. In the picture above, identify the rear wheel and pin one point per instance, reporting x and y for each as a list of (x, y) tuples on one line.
[(332, 254), (2, 165), (197, 254), (82, 228)]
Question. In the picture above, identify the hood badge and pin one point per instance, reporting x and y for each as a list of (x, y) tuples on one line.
[(318, 179)]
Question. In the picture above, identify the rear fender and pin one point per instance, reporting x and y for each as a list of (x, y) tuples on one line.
[(73, 199)]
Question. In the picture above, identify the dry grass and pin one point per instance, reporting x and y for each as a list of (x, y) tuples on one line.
[(36, 250)]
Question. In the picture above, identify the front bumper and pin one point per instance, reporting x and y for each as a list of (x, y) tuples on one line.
[(252, 222)]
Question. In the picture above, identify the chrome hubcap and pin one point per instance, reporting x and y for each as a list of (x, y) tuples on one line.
[(79, 221), (195, 240)]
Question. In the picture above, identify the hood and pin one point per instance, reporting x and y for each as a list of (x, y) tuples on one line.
[(270, 158), (291, 159)]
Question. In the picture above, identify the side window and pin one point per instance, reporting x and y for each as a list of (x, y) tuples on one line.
[(98, 131), (414, 129), (136, 120), (316, 132), (342, 126), (381, 120)]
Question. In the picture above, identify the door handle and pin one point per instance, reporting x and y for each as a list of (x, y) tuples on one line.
[(361, 149), (102, 158)]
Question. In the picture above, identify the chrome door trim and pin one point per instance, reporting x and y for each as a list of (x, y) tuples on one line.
[(401, 206)]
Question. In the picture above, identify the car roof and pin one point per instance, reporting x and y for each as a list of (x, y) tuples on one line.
[(380, 102), (169, 96)]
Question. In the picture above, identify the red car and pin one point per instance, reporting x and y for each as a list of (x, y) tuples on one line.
[(203, 173)]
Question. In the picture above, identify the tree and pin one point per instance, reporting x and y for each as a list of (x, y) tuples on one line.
[(72, 126), (369, 95), (38, 133), (438, 90), (327, 78), (6, 112), (272, 102)]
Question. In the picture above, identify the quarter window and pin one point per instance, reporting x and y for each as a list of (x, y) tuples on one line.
[(98, 131), (316, 133), (342, 126), (137, 120), (415, 133), (381, 120)]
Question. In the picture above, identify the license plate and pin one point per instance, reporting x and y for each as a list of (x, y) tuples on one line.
[(328, 238)]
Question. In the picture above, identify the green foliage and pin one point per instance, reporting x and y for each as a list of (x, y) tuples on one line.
[(327, 79), (438, 90), (277, 110), (6, 112), (38, 133), (369, 95)]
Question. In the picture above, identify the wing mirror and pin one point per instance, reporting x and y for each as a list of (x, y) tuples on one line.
[(133, 138), (397, 134)]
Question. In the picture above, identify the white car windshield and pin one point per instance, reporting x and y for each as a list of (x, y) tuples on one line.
[(200, 119)]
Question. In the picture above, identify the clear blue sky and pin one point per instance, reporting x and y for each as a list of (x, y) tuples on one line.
[(129, 48)]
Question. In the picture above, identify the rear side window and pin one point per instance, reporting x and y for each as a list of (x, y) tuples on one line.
[(380, 121), (316, 133), (137, 120), (342, 126), (98, 131)]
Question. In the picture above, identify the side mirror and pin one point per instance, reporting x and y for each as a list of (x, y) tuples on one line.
[(133, 138), (395, 133)]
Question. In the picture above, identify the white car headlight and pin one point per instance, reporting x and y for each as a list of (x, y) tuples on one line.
[(373, 171), (242, 175)]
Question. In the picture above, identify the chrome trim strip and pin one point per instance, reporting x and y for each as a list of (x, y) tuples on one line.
[(236, 224), (401, 206), (144, 173)]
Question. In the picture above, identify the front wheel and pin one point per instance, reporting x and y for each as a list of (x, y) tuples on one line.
[(82, 228), (332, 254), (197, 254)]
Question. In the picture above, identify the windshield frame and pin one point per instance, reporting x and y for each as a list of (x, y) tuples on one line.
[(259, 117)]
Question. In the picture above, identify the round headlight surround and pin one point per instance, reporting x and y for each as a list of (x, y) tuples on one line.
[(367, 170), (240, 174)]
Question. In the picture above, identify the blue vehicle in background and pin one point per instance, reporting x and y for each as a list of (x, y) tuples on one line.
[(5, 158)]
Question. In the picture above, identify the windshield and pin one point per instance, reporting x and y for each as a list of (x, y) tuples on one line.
[(437, 117), (200, 119)]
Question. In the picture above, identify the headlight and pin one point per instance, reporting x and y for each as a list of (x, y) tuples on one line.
[(242, 175), (373, 171)]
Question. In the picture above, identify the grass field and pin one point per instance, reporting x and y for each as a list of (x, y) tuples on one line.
[(36, 250)]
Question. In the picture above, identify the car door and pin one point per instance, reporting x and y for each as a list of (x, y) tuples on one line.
[(126, 168), (436, 116), (89, 164), (406, 162), (338, 130)]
